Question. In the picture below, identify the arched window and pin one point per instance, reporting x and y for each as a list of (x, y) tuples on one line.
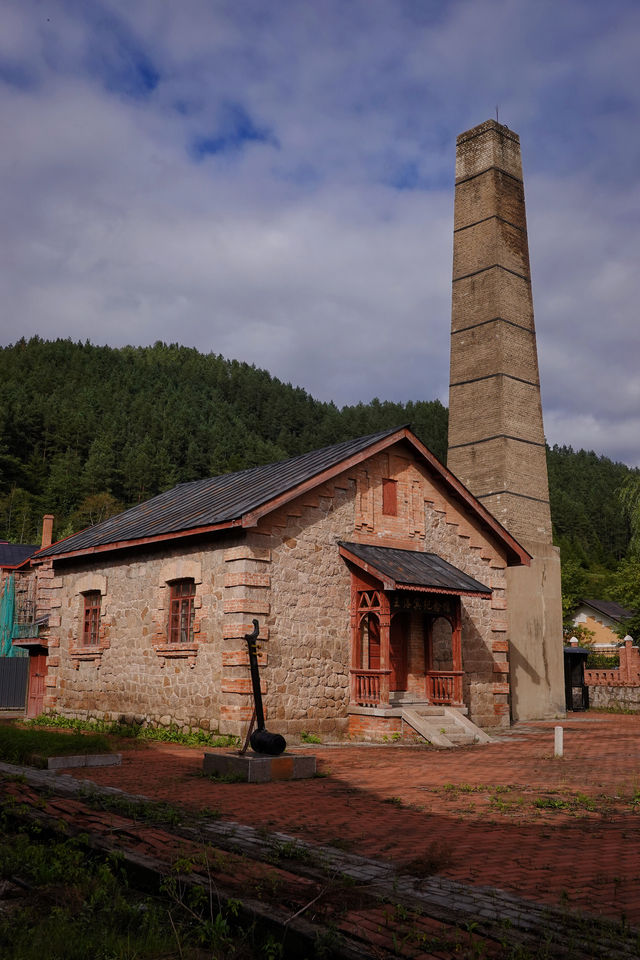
[(370, 642), (441, 644), (181, 607)]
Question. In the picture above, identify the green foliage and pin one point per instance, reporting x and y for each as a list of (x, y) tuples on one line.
[(81, 905), (22, 746), (630, 500), (583, 635), (310, 737), (602, 661), (194, 738), (85, 430), (587, 520)]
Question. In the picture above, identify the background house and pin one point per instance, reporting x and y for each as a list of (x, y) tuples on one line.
[(602, 617)]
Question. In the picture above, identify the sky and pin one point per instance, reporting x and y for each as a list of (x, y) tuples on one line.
[(272, 181)]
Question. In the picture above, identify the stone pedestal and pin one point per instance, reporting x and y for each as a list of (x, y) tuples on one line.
[(253, 768)]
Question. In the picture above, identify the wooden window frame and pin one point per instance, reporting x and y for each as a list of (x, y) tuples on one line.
[(91, 619), (182, 597)]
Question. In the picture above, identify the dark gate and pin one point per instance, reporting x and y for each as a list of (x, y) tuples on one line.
[(13, 682)]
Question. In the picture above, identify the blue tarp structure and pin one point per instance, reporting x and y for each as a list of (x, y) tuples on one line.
[(7, 618)]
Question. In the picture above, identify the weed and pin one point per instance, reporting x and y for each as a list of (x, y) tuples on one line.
[(290, 850), (145, 810), (396, 736), (310, 737), (396, 801), (224, 777), (580, 801), (79, 905), (327, 943)]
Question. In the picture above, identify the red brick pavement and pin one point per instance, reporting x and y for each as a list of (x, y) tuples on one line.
[(472, 814)]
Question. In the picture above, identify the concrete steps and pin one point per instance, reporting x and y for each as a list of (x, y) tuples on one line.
[(443, 726)]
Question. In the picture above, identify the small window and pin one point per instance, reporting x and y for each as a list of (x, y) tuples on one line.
[(390, 498), (181, 612), (91, 632)]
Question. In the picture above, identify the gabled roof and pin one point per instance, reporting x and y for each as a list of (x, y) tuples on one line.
[(411, 570), (240, 499), (13, 554), (610, 609)]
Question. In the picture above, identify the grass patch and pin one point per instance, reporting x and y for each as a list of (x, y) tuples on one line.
[(136, 731), (66, 901), (579, 801), (147, 811), (19, 745), (310, 737)]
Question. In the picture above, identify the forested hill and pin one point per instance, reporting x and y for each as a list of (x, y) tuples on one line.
[(87, 430)]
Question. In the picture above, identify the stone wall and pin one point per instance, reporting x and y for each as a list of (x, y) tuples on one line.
[(133, 672), (615, 697)]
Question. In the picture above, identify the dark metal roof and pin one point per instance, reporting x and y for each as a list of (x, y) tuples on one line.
[(609, 609), (410, 569), (218, 500), (13, 554)]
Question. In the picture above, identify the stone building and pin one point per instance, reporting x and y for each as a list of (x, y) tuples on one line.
[(377, 580)]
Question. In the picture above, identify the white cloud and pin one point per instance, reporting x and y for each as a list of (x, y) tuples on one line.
[(298, 253)]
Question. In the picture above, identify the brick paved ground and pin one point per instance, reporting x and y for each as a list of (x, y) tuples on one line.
[(507, 815)]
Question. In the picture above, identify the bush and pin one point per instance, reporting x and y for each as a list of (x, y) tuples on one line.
[(602, 661)]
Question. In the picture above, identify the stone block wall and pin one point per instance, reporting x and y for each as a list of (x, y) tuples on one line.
[(134, 672)]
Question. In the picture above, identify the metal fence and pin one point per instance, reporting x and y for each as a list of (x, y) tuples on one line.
[(14, 672)]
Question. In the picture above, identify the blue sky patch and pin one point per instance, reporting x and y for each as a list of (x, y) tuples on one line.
[(16, 74), (119, 59), (235, 130)]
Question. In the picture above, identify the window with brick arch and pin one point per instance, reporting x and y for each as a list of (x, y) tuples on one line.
[(183, 594), (91, 631), (390, 498)]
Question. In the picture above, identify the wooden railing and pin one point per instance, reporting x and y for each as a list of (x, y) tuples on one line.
[(444, 687), (368, 687)]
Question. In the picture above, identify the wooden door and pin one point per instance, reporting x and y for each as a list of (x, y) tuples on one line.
[(37, 673), (398, 644)]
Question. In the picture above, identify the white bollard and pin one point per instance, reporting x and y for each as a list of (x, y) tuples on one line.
[(558, 749)]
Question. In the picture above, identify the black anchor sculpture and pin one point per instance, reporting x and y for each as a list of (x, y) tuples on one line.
[(272, 744)]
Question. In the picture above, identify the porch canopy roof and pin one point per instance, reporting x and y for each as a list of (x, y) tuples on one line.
[(410, 570)]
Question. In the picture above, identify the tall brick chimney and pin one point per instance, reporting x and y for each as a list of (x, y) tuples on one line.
[(496, 436)]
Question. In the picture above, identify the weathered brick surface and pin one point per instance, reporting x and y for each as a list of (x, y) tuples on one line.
[(495, 407), (493, 293), (501, 348), (492, 193), (490, 144), (488, 242)]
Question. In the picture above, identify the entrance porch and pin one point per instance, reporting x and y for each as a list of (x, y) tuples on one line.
[(406, 635)]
